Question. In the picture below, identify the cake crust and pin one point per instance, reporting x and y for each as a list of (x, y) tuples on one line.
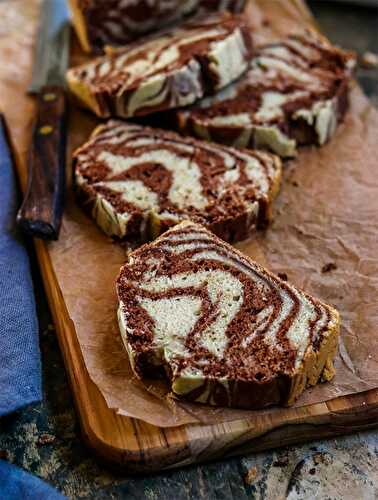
[(136, 182), (240, 336), (294, 93), (165, 71)]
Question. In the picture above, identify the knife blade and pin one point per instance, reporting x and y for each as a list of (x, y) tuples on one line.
[(41, 211)]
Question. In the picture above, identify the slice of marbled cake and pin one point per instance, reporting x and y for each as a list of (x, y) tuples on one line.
[(169, 70), (222, 329), (295, 93), (116, 22), (136, 182)]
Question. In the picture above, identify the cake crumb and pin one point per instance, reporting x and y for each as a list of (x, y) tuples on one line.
[(251, 475), (369, 60), (321, 458), (45, 438), (281, 462), (331, 266)]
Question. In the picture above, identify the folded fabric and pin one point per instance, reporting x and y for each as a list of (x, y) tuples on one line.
[(20, 365), (16, 484), (20, 373)]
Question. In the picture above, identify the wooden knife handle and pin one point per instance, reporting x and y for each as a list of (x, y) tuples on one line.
[(41, 212)]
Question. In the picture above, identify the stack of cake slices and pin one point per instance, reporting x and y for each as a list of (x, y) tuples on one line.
[(221, 329)]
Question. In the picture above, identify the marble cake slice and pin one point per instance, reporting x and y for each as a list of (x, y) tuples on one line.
[(137, 181), (294, 93), (117, 22), (222, 329), (170, 70)]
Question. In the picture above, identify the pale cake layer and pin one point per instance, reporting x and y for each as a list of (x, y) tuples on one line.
[(221, 328), (116, 22), (167, 71), (295, 93), (137, 181)]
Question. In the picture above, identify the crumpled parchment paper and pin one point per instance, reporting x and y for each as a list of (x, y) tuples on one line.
[(324, 236)]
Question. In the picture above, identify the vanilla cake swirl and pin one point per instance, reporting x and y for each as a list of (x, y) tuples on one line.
[(138, 181), (221, 328), (170, 70), (295, 93), (116, 22)]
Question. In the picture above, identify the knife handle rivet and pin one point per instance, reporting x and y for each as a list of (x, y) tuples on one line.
[(50, 96), (45, 129)]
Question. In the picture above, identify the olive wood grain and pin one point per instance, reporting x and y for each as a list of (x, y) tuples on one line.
[(137, 446)]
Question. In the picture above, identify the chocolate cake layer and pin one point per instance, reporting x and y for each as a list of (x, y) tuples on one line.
[(138, 181), (171, 70), (117, 22), (295, 93), (221, 328)]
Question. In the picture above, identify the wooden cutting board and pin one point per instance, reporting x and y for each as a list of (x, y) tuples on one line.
[(139, 446)]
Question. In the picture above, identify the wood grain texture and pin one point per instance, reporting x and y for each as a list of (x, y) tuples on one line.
[(137, 446), (41, 211)]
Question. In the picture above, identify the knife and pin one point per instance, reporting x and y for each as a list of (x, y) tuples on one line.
[(41, 211)]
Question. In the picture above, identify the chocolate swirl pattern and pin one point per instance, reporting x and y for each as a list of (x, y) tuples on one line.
[(220, 327), (116, 22), (138, 181), (295, 92), (170, 70)]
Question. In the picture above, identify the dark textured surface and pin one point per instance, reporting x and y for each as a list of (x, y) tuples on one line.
[(354, 28), (45, 439)]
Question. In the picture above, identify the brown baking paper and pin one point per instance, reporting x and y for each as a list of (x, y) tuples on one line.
[(327, 212)]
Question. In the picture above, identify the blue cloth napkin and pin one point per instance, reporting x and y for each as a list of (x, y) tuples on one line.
[(20, 365), (16, 484)]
